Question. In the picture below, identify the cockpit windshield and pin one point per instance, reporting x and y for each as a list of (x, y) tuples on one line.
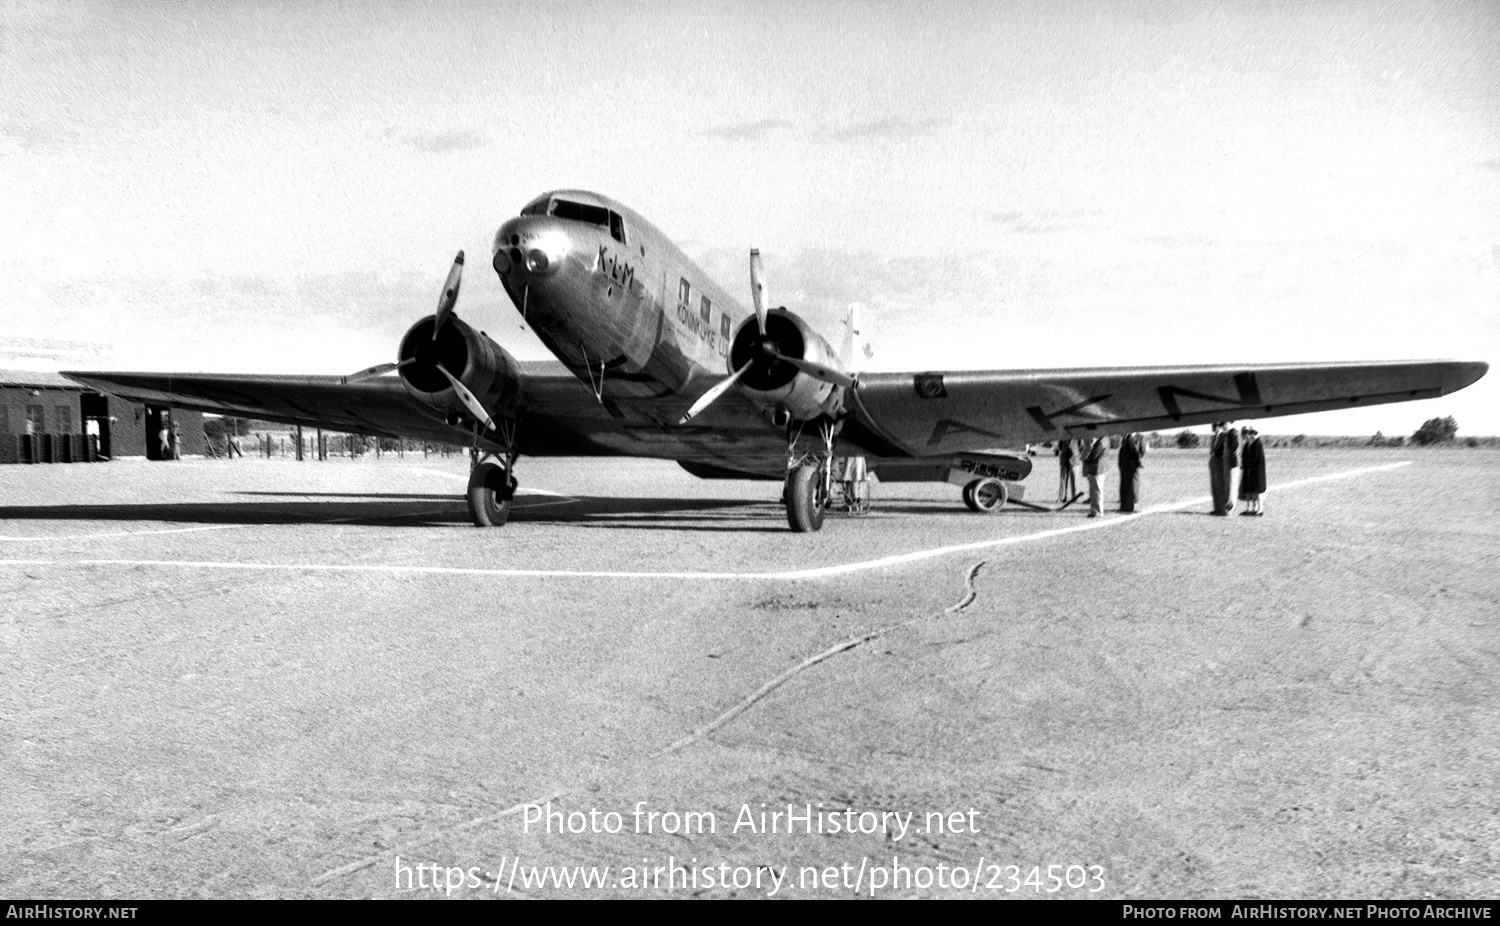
[(579, 212)]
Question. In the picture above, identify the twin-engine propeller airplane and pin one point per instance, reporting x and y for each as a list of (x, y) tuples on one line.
[(657, 361)]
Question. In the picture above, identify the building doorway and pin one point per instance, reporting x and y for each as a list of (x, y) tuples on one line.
[(158, 419), (93, 409)]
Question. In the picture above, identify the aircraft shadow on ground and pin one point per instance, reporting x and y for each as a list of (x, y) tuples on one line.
[(424, 510)]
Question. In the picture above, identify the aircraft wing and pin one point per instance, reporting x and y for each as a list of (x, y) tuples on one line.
[(559, 415), (926, 414), (893, 415)]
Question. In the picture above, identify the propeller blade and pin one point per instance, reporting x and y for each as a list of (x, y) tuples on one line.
[(467, 397), (758, 289), (379, 369), (708, 398), (818, 371), (449, 298)]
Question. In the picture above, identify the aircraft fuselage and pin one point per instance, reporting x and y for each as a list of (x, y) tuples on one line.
[(613, 298)]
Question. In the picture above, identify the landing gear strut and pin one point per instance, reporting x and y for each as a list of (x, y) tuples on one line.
[(491, 489)]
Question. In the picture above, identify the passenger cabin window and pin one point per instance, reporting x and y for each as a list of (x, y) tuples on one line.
[(724, 326), (684, 292), (706, 310)]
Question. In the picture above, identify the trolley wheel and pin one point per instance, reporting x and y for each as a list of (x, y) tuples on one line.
[(985, 496)]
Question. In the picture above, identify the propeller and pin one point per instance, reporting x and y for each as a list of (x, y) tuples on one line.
[(475, 407), (445, 305), (449, 298), (767, 349), (817, 370), (379, 369), (708, 398), (758, 289)]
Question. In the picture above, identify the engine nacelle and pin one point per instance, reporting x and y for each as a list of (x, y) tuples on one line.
[(470, 356), (773, 383)]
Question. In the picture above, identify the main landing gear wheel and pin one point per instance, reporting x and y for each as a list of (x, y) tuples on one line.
[(985, 496), (806, 499), (491, 489)]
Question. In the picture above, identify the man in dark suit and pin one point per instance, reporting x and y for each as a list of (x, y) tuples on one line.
[(1223, 457), (1132, 449), (1067, 464)]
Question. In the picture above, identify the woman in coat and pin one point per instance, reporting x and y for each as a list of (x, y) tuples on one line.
[(1252, 473)]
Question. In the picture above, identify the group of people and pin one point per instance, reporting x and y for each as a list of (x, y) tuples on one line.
[(1228, 450), (168, 441)]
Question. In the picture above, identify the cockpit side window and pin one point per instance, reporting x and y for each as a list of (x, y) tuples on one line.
[(617, 227), (536, 207), (580, 212)]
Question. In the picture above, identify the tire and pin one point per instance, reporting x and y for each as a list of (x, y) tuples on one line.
[(805, 504), (985, 496), (491, 489)]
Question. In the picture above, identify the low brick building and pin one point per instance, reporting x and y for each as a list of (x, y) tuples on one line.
[(46, 418)]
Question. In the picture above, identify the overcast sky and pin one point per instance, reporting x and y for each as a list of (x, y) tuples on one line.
[(268, 187)]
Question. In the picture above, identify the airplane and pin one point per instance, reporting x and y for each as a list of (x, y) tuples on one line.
[(655, 359)]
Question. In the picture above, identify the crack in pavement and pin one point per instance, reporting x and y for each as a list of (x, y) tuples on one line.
[(970, 595)]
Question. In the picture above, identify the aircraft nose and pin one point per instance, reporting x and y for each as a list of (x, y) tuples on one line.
[(534, 248)]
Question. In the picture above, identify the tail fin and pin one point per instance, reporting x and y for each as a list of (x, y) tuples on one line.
[(857, 349)]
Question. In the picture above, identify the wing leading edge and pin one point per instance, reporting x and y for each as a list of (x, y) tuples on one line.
[(924, 414)]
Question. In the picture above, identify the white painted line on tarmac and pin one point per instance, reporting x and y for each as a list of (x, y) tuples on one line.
[(788, 575)]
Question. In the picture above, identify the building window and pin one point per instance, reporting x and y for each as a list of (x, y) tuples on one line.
[(724, 326), (64, 419), (706, 310), (684, 292), (36, 419)]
